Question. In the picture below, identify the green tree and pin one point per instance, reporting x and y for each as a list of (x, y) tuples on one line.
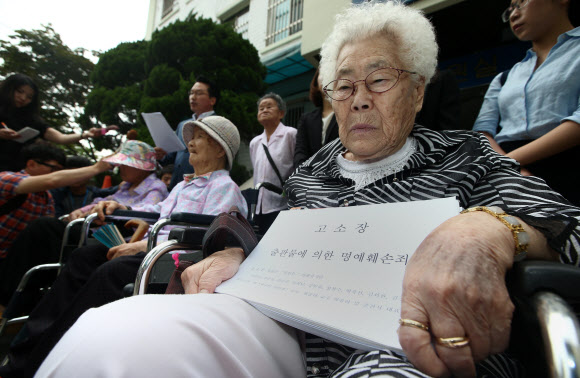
[(62, 75), (156, 75)]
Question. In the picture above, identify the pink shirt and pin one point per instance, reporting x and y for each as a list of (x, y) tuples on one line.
[(208, 195), (281, 146), (149, 191)]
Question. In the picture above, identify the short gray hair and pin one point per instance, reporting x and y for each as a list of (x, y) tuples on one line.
[(275, 97), (413, 33)]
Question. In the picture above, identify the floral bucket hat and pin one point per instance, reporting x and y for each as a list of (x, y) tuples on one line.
[(134, 154)]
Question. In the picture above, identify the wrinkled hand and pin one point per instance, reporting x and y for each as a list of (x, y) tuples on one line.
[(159, 153), (76, 215), (207, 274), (105, 208), (455, 282), (8, 134), (127, 249)]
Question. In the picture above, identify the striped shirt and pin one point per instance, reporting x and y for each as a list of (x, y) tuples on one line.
[(35, 206), (458, 164)]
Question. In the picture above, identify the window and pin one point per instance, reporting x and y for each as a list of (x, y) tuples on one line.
[(284, 19), (242, 23), (167, 7)]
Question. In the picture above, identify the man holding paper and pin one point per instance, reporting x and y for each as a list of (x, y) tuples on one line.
[(203, 96), (455, 311)]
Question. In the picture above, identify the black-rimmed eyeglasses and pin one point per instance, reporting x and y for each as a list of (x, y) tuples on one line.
[(53, 167), (505, 16), (198, 93), (378, 81)]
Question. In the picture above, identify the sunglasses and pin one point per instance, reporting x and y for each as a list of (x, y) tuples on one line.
[(53, 167)]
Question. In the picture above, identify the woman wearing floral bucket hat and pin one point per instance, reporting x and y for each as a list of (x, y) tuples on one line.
[(96, 275), (137, 164)]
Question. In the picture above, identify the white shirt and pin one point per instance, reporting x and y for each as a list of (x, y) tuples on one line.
[(281, 146)]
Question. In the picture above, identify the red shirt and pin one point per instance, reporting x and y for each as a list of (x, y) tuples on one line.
[(35, 206)]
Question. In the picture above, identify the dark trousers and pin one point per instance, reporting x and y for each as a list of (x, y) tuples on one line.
[(264, 221), (39, 243), (88, 280), (560, 171)]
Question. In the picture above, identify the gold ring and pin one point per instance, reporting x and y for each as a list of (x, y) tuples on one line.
[(414, 323), (453, 342)]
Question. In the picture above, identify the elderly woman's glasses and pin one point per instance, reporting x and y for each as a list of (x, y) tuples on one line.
[(378, 81), (505, 16)]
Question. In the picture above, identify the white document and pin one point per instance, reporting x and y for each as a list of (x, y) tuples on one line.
[(337, 273), (26, 134), (162, 134)]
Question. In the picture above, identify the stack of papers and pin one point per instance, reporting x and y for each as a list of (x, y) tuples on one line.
[(338, 273)]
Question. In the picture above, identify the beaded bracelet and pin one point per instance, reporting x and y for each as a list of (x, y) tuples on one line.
[(521, 237)]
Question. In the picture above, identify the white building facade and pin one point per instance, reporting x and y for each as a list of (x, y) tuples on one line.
[(286, 33)]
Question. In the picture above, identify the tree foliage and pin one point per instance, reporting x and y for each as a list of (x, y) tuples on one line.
[(62, 74), (156, 75)]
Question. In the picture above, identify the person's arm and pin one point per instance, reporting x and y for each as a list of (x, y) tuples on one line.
[(55, 136), (562, 138), (489, 115), (493, 143), (127, 249), (207, 274), (455, 283), (58, 179)]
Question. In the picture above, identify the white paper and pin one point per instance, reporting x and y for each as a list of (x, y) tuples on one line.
[(26, 134), (338, 272), (162, 134)]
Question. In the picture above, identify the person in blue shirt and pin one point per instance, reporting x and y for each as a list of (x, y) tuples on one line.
[(203, 96), (534, 117)]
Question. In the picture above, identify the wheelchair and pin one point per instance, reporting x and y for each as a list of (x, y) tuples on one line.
[(544, 324), (19, 300), (12, 314)]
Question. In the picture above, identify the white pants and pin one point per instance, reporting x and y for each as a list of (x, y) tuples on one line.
[(202, 335)]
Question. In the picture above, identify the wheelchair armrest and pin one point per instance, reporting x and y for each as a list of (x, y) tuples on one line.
[(188, 236), (132, 214), (529, 277), (196, 219), (544, 323), (16, 301)]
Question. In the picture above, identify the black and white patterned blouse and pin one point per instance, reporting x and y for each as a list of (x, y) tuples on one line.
[(458, 164)]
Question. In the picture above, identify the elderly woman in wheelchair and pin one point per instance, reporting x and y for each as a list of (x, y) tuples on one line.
[(455, 311), (95, 275)]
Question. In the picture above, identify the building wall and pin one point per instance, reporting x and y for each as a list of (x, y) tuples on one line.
[(317, 24), (218, 11), (181, 9)]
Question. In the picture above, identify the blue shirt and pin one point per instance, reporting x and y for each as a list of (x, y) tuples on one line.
[(532, 103)]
